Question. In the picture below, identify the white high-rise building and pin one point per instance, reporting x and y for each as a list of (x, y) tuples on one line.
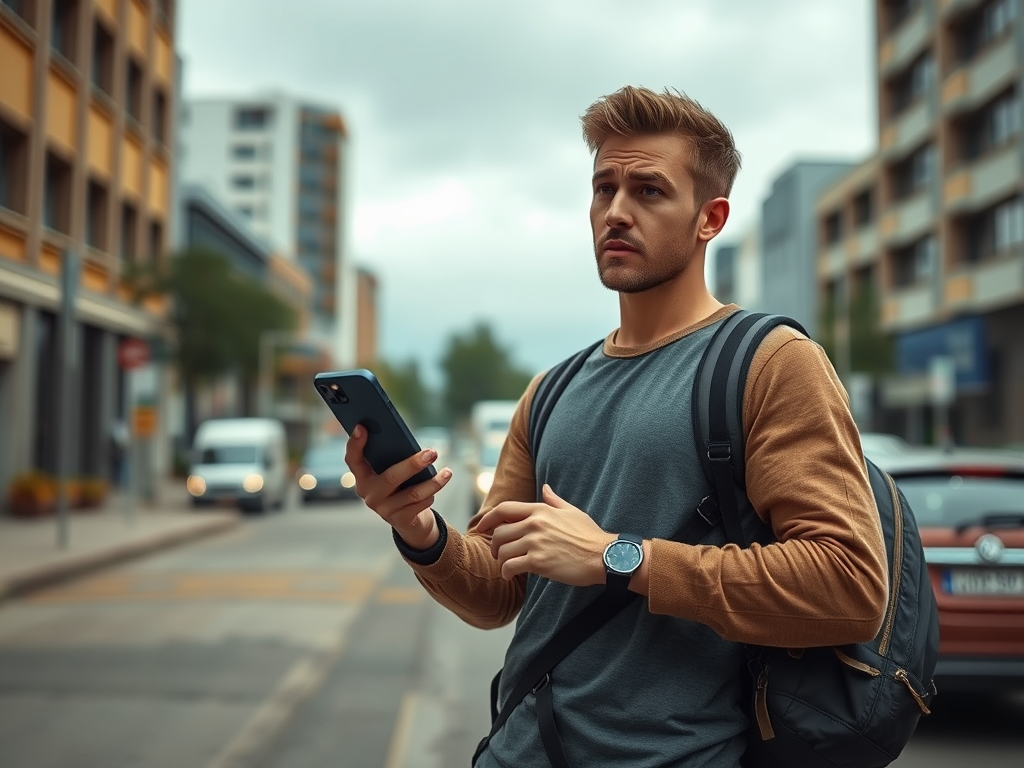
[(281, 163)]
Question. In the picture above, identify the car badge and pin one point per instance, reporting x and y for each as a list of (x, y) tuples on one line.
[(989, 547)]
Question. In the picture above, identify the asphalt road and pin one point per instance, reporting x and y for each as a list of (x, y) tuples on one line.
[(302, 640)]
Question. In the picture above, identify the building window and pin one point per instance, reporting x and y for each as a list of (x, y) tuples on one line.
[(996, 18), (991, 127), (57, 194), (834, 228), (133, 92), (914, 173), (96, 215), (25, 9), (159, 116), (915, 263), (243, 152), (243, 182), (102, 58), (913, 84), (129, 233), (63, 27), (13, 168), (252, 119), (156, 241), (864, 208), (1008, 221), (898, 11)]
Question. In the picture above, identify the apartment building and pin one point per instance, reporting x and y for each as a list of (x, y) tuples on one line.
[(280, 162), (789, 242), (86, 149), (935, 223)]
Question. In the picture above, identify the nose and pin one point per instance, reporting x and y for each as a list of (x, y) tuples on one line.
[(618, 216)]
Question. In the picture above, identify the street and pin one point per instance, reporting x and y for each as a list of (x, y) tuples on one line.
[(299, 639)]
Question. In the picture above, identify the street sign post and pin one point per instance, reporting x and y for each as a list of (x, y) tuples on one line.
[(133, 353), (67, 361)]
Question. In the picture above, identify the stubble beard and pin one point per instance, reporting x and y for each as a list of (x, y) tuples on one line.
[(645, 275)]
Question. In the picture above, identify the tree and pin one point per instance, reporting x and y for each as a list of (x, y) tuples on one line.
[(218, 316), (477, 368), (407, 391), (871, 350)]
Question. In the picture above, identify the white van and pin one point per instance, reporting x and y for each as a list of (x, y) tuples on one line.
[(244, 461)]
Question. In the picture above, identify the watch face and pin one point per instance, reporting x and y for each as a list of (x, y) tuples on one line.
[(623, 556)]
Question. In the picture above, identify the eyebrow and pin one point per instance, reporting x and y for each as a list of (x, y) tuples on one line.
[(652, 176)]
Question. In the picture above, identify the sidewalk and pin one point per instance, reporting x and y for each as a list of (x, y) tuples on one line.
[(31, 558)]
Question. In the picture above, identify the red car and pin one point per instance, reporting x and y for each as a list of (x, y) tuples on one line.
[(969, 507)]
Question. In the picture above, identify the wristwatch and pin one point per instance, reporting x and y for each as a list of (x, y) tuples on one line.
[(621, 559)]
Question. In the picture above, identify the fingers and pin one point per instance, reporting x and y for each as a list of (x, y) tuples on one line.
[(505, 512)]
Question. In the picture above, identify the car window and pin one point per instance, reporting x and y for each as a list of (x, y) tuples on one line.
[(952, 500), (229, 454), (325, 457)]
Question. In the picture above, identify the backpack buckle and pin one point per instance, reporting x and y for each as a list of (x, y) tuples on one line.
[(708, 509), (542, 682), (719, 452)]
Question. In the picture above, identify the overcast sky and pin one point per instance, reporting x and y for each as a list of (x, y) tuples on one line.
[(470, 180)]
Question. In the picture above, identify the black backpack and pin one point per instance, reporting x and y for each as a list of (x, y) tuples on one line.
[(854, 706)]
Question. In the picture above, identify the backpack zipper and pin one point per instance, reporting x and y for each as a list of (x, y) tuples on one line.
[(764, 723), (901, 675), (897, 565)]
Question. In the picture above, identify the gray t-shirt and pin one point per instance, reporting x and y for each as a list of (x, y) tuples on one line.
[(646, 691)]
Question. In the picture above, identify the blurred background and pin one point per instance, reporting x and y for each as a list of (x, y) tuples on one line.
[(203, 204)]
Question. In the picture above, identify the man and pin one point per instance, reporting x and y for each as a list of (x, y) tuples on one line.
[(659, 685)]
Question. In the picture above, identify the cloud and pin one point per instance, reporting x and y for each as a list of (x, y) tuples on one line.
[(470, 180)]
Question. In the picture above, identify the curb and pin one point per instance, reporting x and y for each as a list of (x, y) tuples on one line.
[(40, 577)]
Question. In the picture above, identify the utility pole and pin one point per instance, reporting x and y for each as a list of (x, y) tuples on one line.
[(66, 378)]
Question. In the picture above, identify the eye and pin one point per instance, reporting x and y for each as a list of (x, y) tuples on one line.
[(649, 191), (604, 189)]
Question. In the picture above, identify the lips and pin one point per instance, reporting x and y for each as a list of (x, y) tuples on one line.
[(619, 247)]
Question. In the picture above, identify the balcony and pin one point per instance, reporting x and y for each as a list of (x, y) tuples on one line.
[(832, 260), (971, 86), (899, 49), (862, 248), (981, 184), (907, 130), (909, 307), (987, 286), (908, 220), (950, 9)]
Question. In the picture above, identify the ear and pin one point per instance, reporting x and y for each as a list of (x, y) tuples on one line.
[(713, 216)]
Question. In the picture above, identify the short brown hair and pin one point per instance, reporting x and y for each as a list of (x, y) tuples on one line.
[(632, 111)]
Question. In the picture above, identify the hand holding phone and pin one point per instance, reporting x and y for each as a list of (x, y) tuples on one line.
[(386, 444)]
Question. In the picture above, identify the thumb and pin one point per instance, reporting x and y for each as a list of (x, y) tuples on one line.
[(552, 498)]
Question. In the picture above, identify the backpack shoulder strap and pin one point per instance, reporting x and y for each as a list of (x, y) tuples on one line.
[(718, 409), (550, 389)]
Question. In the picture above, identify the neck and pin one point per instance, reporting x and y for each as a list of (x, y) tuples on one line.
[(646, 317)]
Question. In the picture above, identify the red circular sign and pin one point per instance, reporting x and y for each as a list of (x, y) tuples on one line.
[(133, 353)]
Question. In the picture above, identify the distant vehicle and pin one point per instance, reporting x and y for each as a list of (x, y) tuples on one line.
[(882, 442), (492, 416), (438, 438), (323, 473), (483, 464), (969, 507), (244, 461)]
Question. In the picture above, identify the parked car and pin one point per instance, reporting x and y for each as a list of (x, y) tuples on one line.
[(323, 473), (243, 461), (969, 507), (874, 443)]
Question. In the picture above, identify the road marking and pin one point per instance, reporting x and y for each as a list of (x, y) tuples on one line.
[(399, 746), (298, 586), (302, 680)]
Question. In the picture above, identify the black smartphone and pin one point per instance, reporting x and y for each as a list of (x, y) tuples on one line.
[(356, 397)]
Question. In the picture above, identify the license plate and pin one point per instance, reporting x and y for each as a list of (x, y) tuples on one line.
[(987, 582)]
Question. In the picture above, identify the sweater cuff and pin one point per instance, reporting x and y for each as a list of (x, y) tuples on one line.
[(427, 556)]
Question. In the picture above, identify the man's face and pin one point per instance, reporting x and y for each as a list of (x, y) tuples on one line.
[(642, 213)]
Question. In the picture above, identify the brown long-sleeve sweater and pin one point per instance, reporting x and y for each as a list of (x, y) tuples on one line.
[(823, 583)]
